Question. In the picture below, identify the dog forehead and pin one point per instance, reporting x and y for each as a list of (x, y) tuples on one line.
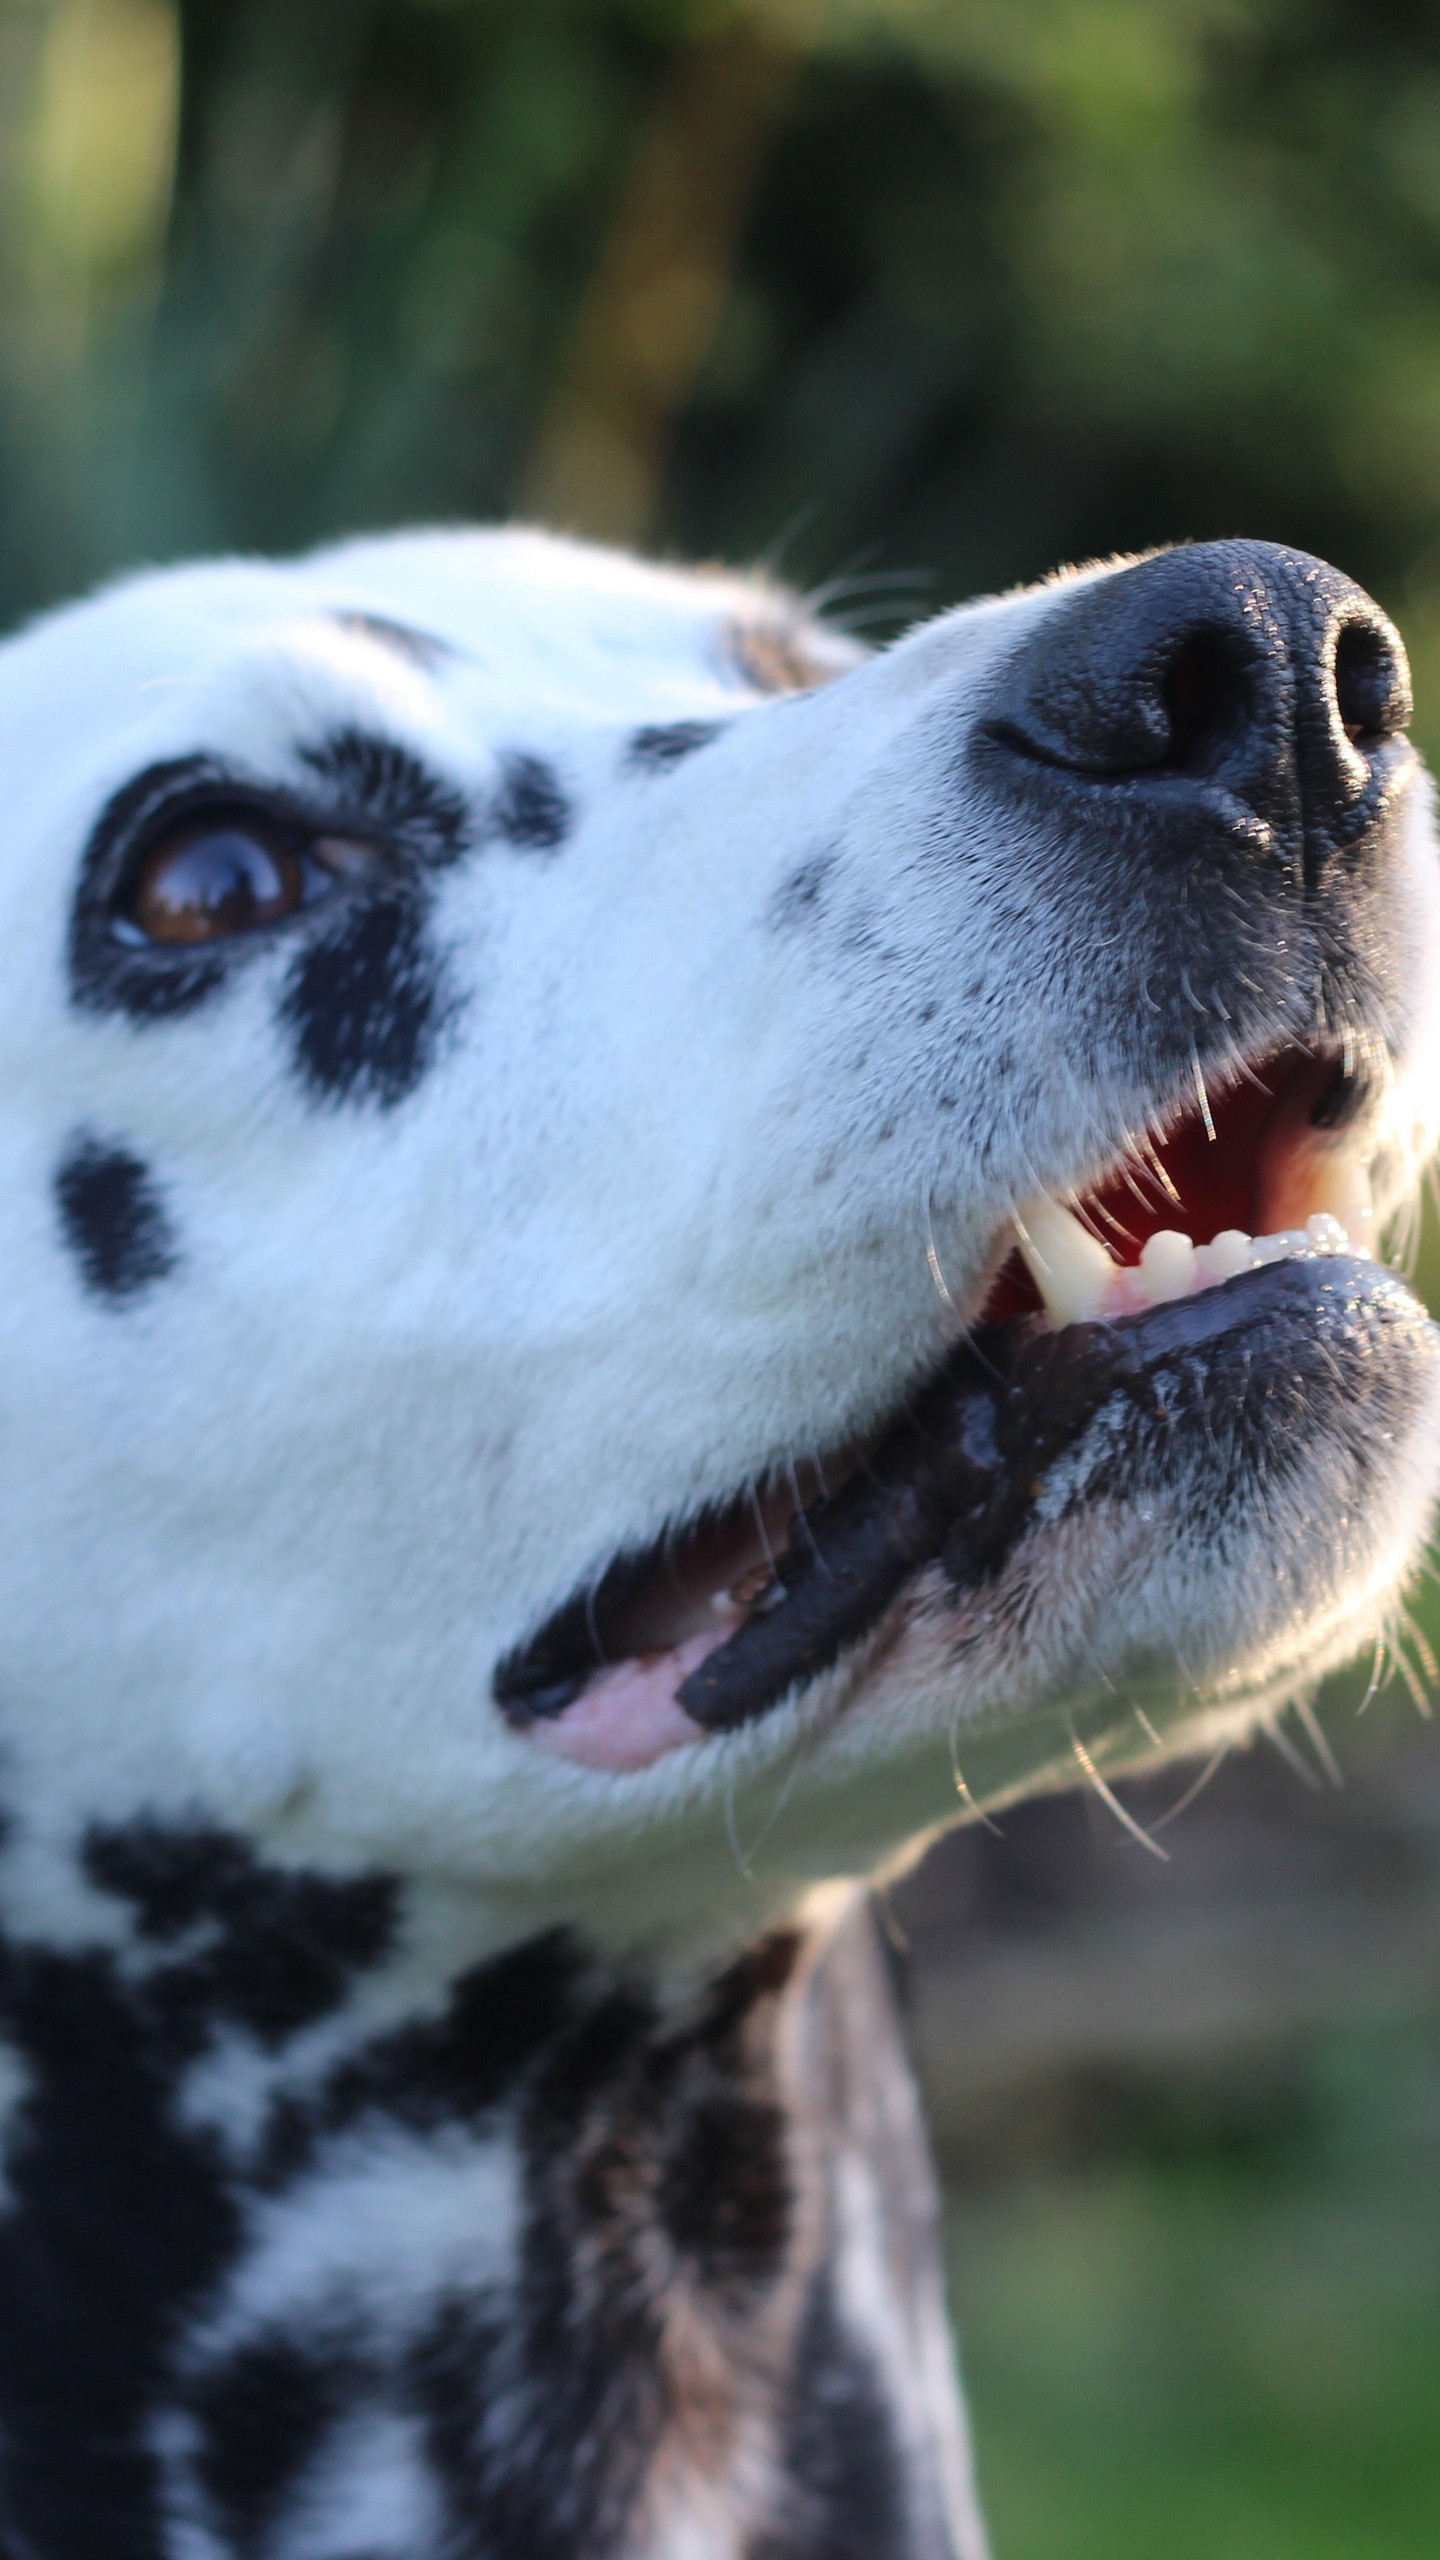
[(510, 623), (536, 610)]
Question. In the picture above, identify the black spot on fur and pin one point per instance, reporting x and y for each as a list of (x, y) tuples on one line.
[(800, 899), (284, 1945), (119, 2221), (261, 2417), (366, 1002), (379, 785), (653, 2171), (530, 807), (444, 2070), (622, 2168), (114, 1219), (624, 2107), (623, 2140), (724, 2187), (656, 749), (123, 2216), (844, 2477)]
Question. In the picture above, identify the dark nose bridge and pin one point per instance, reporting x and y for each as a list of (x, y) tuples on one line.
[(1258, 682)]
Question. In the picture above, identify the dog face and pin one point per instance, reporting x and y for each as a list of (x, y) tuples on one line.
[(524, 1074)]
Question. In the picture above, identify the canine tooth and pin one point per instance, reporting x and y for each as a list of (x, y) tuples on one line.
[(1342, 1190), (1226, 1254), (1167, 1266), (1070, 1267)]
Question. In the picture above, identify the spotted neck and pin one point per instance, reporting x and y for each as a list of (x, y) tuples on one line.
[(306, 2254)]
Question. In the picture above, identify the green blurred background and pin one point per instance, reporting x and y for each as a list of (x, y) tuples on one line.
[(907, 298)]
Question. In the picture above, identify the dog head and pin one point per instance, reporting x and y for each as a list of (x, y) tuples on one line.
[(543, 1338)]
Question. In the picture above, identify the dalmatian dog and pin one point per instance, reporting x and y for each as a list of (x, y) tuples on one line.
[(643, 1257)]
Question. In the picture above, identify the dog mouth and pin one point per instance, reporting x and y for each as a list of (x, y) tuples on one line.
[(1168, 1251)]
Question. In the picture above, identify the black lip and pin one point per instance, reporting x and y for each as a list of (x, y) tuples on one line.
[(956, 1484), (1274, 1356)]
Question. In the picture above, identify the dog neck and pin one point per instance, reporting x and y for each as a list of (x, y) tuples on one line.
[(312, 2245)]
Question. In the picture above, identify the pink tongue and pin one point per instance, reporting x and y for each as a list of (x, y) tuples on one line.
[(628, 1717)]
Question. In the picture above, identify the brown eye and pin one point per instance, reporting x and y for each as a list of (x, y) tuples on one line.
[(219, 875)]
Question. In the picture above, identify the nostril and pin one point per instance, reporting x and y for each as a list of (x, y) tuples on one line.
[(1371, 681), (1255, 688), (1206, 694)]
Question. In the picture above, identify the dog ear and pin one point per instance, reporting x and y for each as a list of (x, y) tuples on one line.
[(790, 654)]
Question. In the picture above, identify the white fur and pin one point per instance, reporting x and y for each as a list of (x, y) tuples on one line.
[(371, 2237)]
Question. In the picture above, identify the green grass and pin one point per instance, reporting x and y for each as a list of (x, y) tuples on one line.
[(1194, 2360)]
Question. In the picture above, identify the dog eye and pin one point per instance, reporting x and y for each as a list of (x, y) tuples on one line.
[(228, 873)]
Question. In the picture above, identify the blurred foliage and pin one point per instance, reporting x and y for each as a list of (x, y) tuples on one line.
[(1198, 2362), (1195, 2234), (962, 287)]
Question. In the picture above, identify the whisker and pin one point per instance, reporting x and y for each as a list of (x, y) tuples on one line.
[(932, 1255), (1196, 1788), (1423, 1647), (1377, 1672), (1293, 1759), (792, 526), (804, 1745), (1111, 1801), (1304, 1710), (1201, 1096), (962, 1789), (1413, 1682), (752, 1496)]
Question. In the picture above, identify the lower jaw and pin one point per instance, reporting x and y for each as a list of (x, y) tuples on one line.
[(631, 1714)]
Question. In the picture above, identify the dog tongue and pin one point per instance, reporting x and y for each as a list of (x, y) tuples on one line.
[(628, 1717)]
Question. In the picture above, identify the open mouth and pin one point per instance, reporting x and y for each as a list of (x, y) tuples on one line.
[(711, 1625), (1266, 1170)]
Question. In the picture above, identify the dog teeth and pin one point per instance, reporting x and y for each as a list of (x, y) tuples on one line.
[(1071, 1268), (750, 1594), (1078, 1280), (1224, 1257), (1167, 1267), (1341, 1191)]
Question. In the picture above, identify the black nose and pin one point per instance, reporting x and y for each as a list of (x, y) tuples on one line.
[(1252, 688)]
